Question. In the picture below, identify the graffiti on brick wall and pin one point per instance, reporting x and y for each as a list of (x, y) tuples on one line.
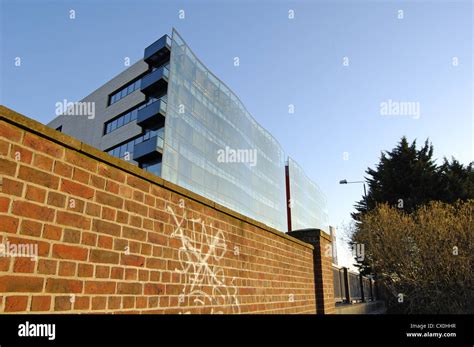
[(202, 249)]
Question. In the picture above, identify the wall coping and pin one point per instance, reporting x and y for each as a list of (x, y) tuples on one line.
[(318, 232), (70, 142)]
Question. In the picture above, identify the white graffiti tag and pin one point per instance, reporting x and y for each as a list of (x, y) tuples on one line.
[(199, 256)]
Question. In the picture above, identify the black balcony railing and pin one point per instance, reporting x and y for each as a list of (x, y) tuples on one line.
[(158, 52), (156, 82), (152, 116), (149, 149)]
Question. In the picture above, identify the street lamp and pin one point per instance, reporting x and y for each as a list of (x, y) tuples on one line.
[(365, 191)]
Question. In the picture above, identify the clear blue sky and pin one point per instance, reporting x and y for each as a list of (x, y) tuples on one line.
[(282, 62)]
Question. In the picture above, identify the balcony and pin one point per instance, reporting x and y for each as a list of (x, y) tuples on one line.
[(158, 52), (152, 116), (148, 150), (156, 82)]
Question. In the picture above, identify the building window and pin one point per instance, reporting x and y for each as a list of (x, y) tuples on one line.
[(121, 150), (153, 166), (131, 87), (59, 128), (124, 91), (128, 117)]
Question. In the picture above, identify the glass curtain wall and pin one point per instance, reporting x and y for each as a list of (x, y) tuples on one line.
[(308, 204), (214, 147)]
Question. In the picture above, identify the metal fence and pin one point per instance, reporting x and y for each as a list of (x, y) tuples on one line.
[(352, 287), (339, 289)]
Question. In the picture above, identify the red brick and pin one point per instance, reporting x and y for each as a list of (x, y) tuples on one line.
[(138, 196), (132, 260), (148, 224), (30, 228), (99, 303), (70, 252), (106, 171), (129, 288), (52, 232), (135, 221), (77, 189), (40, 303), (10, 132), (43, 247), (38, 177), (7, 167), (56, 199), (11, 187), (85, 270), (62, 169), (125, 191), (122, 217), (97, 181), (43, 145), (156, 238), (105, 242), (59, 285), (80, 175), (24, 264), (102, 271), (89, 239), (159, 215), (101, 256), (138, 183), (133, 233), (4, 148), (9, 224), (82, 303), (4, 204), (63, 303), (112, 187), (141, 302), (20, 284), (143, 275), (5, 263), (16, 303), (67, 268), (93, 209), (128, 302), (108, 199), (71, 236), (79, 159), (35, 194), (101, 226), (135, 207), (33, 211), (154, 289), (108, 213), (131, 274), (73, 220), (21, 154), (43, 162), (156, 263), (47, 267), (99, 287), (117, 273), (114, 302)]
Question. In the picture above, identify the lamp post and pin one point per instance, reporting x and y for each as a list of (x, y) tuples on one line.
[(365, 190)]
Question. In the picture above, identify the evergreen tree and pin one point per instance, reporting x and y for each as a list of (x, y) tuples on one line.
[(407, 178)]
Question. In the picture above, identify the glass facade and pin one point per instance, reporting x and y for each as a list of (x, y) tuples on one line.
[(215, 148), (308, 204)]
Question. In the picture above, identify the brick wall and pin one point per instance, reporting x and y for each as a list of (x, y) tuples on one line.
[(323, 274), (113, 238)]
